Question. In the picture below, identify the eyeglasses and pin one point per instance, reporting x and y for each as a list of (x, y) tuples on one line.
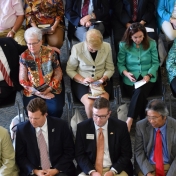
[(33, 44), (101, 117), (154, 118)]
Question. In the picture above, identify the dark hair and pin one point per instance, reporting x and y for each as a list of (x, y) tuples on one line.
[(37, 104), (136, 27), (101, 103), (159, 106)]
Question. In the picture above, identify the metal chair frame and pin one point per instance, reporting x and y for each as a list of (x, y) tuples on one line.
[(170, 103), (12, 103)]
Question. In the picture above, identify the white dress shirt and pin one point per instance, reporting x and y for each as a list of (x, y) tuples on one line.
[(5, 63)]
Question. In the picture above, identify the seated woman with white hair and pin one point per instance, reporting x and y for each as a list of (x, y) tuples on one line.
[(90, 61), (40, 73)]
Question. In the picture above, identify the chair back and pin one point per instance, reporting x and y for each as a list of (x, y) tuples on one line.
[(9, 101)]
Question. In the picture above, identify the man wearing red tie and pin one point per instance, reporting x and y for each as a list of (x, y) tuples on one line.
[(9, 67), (103, 145), (155, 142)]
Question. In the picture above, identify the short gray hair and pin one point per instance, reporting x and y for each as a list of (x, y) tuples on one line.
[(94, 38), (33, 32), (158, 106)]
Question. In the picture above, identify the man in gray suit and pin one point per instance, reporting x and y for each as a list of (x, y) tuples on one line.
[(157, 119)]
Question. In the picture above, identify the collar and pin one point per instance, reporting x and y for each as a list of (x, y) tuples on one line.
[(162, 129), (105, 127), (44, 127), (134, 44), (85, 49)]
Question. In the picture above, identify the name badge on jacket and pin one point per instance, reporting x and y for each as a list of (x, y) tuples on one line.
[(89, 136)]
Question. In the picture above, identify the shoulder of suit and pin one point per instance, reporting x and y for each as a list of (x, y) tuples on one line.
[(3, 131), (172, 121), (116, 121), (106, 44), (86, 122), (78, 45), (56, 121), (24, 124), (122, 43), (141, 122), (152, 42)]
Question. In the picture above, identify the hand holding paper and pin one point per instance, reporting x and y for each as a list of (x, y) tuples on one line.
[(139, 83), (149, 29)]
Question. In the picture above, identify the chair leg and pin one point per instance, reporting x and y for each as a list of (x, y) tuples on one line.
[(68, 47), (68, 114), (18, 109)]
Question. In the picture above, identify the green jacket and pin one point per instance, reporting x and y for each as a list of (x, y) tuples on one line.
[(138, 61)]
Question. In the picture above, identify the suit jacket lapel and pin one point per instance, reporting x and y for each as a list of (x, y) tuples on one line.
[(100, 54), (34, 143), (170, 135), (111, 138), (87, 53), (149, 130), (78, 4), (93, 145), (51, 133)]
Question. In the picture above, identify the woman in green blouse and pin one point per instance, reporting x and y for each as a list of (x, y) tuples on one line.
[(137, 60)]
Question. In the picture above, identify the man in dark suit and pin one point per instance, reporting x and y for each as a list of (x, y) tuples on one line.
[(122, 17), (157, 120), (11, 50), (56, 139), (98, 10), (117, 144)]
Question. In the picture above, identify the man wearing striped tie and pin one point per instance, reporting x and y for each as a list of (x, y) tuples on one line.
[(44, 145), (9, 67)]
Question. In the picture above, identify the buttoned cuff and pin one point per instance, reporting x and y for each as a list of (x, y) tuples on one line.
[(91, 171), (114, 170)]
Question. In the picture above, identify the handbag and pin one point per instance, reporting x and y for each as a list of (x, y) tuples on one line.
[(77, 118), (122, 112), (96, 90)]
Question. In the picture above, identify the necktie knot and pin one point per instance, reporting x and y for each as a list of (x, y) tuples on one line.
[(40, 131), (100, 130)]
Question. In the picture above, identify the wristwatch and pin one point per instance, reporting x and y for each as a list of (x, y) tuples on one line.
[(91, 16)]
